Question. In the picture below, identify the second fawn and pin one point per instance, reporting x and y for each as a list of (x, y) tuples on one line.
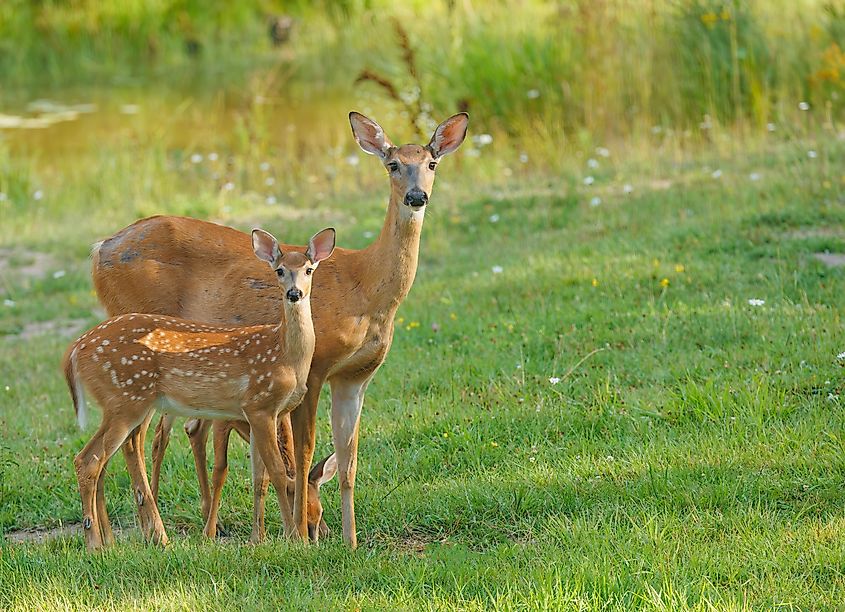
[(134, 364)]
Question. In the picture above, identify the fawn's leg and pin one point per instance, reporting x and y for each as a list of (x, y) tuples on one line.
[(263, 439), (160, 441), (197, 430), (303, 422), (221, 431), (260, 482), (133, 451), (102, 514), (89, 464)]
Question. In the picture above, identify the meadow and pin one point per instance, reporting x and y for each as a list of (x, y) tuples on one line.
[(616, 383)]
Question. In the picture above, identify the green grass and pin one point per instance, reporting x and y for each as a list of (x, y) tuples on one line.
[(689, 457)]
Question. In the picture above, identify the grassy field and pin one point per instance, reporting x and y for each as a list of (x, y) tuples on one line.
[(617, 381), (582, 407)]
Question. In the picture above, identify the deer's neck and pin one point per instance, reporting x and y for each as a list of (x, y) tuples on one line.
[(391, 261), (296, 334)]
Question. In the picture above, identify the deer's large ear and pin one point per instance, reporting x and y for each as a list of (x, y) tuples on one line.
[(324, 471), (266, 247), (321, 245), (369, 135), (449, 135)]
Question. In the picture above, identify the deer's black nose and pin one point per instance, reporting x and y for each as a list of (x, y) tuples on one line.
[(294, 295), (416, 197)]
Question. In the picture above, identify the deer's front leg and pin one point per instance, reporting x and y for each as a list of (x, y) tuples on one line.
[(263, 439), (304, 422), (347, 401)]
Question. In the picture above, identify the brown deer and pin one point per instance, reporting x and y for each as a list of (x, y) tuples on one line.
[(134, 364), (206, 272)]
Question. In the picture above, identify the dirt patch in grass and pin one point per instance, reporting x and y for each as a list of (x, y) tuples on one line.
[(38, 535), (831, 260), (65, 328), (25, 264)]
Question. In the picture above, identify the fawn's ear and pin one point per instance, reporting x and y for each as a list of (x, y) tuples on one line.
[(266, 247), (324, 471), (321, 245), (449, 135), (369, 135)]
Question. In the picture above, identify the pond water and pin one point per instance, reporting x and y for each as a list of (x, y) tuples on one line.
[(62, 123)]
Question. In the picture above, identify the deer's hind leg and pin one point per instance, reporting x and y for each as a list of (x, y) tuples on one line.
[(133, 451), (160, 441), (221, 431), (89, 465)]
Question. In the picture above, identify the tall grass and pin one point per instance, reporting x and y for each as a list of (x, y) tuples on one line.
[(607, 67)]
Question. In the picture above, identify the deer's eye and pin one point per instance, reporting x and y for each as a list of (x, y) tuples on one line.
[(393, 166), (309, 271), (280, 272), (432, 165)]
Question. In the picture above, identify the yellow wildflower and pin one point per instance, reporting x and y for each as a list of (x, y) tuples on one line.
[(664, 282), (494, 444), (595, 282), (679, 268), (453, 316), (709, 19)]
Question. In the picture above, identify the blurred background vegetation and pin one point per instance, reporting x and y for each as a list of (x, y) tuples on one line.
[(192, 102)]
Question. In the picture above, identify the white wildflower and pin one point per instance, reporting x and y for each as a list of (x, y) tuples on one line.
[(803, 106), (554, 380), (38, 194), (494, 218), (754, 176), (756, 302), (592, 163), (269, 181), (352, 160), (59, 273), (482, 140), (602, 152), (716, 174), (812, 154), (9, 303), (595, 201), (497, 269), (196, 158), (271, 199), (523, 158), (589, 180), (627, 188), (771, 127), (532, 94), (212, 157)]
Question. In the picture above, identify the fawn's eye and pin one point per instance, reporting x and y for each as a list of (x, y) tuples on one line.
[(309, 271), (393, 166), (432, 165), (280, 272)]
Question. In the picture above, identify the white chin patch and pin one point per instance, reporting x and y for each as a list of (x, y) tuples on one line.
[(412, 214)]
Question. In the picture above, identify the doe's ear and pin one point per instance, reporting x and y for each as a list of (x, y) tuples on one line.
[(449, 135), (324, 471), (266, 247), (369, 135), (321, 245)]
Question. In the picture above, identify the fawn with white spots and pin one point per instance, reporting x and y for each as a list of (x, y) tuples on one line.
[(206, 272), (134, 364)]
